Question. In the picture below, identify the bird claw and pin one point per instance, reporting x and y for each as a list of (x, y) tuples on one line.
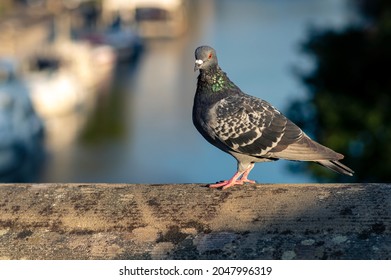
[(229, 183), (235, 179), (224, 184), (247, 181), (218, 185)]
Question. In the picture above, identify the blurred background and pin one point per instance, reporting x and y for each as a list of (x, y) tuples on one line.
[(102, 91)]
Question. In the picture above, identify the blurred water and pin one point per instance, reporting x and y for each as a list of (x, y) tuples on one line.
[(142, 131)]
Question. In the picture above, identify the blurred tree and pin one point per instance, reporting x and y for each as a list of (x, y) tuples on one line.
[(348, 107)]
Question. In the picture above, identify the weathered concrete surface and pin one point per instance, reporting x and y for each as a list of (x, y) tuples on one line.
[(104, 221)]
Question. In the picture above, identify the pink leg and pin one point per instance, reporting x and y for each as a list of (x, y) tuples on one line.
[(245, 175), (229, 183), (235, 179)]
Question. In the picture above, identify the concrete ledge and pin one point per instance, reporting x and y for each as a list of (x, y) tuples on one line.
[(107, 221)]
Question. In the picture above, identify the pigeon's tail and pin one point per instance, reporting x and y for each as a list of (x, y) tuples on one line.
[(336, 166)]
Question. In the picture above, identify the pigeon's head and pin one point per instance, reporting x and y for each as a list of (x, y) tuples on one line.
[(205, 58)]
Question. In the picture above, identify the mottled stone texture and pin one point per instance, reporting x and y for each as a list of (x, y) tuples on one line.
[(190, 221)]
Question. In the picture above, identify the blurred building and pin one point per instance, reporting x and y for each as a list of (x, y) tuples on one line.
[(152, 18)]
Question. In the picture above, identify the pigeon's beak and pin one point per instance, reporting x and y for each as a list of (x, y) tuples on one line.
[(198, 64)]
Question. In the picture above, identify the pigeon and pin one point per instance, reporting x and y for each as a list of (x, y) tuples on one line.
[(249, 128)]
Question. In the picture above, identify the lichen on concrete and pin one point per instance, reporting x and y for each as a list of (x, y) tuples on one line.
[(190, 221)]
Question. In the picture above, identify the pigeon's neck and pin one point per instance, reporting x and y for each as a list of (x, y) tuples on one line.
[(215, 80)]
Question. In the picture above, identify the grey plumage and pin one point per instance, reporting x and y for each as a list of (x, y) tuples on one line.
[(248, 128)]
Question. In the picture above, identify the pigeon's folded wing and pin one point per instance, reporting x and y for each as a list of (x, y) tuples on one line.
[(251, 126)]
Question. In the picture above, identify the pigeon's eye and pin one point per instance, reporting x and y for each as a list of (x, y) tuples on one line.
[(210, 56)]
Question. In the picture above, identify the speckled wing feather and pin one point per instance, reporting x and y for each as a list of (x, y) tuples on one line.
[(251, 126)]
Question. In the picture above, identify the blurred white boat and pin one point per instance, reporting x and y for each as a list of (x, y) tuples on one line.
[(54, 90), (125, 41), (21, 130), (66, 75)]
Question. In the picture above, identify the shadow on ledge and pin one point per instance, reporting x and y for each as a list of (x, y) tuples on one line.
[(114, 221)]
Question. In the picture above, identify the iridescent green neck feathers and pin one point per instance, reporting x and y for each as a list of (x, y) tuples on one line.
[(217, 80)]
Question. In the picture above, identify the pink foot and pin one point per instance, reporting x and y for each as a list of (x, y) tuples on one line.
[(246, 181), (229, 183), (235, 179), (218, 185), (226, 184)]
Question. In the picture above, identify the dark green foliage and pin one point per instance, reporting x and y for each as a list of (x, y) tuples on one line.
[(348, 107)]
